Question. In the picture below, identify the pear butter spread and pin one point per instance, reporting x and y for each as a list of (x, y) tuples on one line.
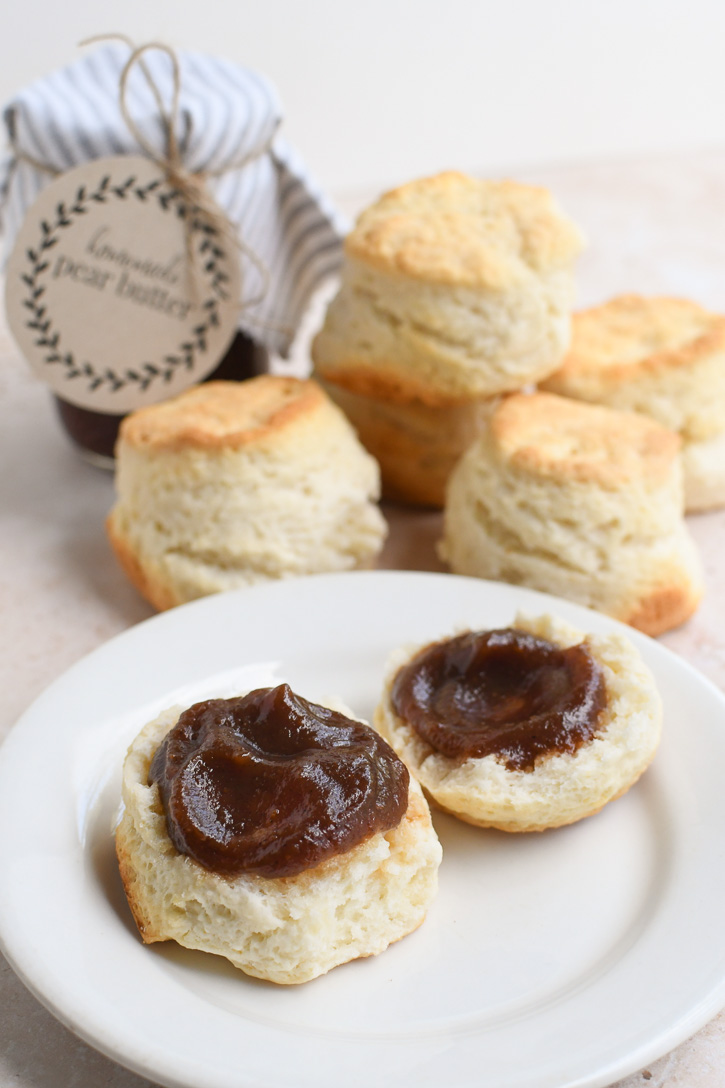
[(505, 693), (271, 784)]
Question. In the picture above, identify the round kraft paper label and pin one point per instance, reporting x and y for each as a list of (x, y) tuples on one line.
[(118, 292)]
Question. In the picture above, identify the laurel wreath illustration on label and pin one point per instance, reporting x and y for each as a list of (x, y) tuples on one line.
[(210, 254)]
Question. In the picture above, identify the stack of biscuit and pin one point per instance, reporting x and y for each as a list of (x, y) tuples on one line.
[(454, 290), (456, 293)]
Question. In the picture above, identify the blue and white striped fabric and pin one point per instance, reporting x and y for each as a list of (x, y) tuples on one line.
[(226, 126)]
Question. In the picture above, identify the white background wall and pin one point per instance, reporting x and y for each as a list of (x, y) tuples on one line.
[(379, 91)]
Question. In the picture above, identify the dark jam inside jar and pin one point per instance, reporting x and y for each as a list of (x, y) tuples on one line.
[(272, 784), (95, 433), (505, 693)]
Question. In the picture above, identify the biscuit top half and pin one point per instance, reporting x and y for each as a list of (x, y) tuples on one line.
[(571, 441), (218, 415), (631, 336), (461, 231)]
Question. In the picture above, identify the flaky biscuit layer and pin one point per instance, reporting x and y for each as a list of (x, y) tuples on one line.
[(415, 445)]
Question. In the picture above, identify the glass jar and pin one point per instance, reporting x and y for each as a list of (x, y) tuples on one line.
[(95, 433)]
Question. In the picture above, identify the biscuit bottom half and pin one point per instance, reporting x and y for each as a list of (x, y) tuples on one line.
[(286, 929), (562, 788)]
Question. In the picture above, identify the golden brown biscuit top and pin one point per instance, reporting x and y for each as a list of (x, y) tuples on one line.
[(457, 230), (218, 415), (631, 335), (558, 438)]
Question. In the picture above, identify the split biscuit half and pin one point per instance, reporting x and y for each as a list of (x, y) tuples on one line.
[(286, 929), (563, 787)]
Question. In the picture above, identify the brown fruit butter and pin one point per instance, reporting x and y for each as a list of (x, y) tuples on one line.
[(505, 693), (271, 784)]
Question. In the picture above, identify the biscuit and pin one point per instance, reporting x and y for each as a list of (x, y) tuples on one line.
[(452, 288), (415, 445), (288, 929), (580, 501), (703, 465), (665, 358), (562, 787), (233, 483)]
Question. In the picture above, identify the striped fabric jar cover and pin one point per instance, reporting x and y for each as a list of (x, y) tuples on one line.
[(226, 127)]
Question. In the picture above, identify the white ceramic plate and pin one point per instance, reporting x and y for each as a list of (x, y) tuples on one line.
[(558, 960)]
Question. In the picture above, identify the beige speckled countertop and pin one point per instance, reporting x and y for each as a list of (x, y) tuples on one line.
[(654, 226)]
